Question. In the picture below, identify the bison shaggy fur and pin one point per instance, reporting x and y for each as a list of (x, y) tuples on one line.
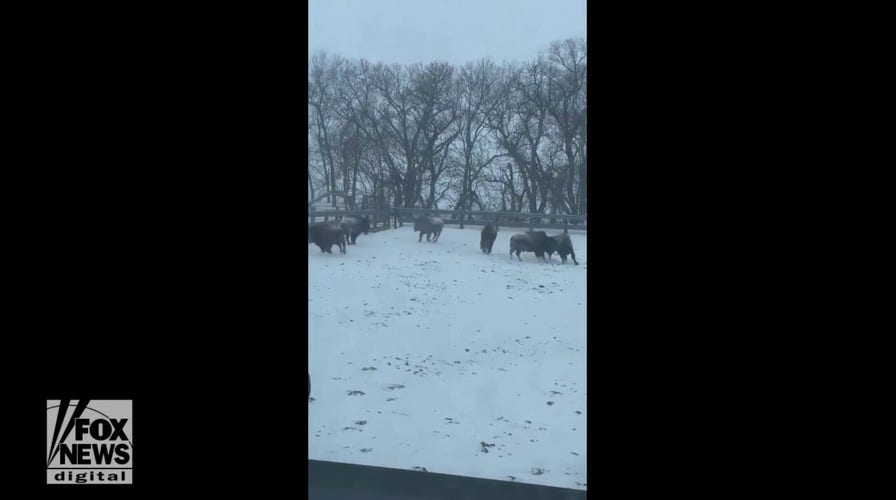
[(537, 242), (430, 226), (487, 240), (354, 226), (325, 235), (562, 244)]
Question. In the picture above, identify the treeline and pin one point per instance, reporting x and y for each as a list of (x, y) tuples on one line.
[(481, 136)]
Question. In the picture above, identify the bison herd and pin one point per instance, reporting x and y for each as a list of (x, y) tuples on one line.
[(346, 232)]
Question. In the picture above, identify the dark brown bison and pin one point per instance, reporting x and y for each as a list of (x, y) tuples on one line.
[(562, 244), (428, 226), (489, 233), (532, 241), (354, 226), (325, 235)]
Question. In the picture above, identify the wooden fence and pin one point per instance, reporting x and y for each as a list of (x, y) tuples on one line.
[(397, 217), (379, 219)]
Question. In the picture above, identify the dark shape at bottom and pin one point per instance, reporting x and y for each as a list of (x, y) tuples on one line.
[(331, 480)]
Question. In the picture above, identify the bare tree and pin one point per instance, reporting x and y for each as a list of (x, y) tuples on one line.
[(519, 125), (567, 84), (322, 79), (419, 135), (477, 95), (432, 90)]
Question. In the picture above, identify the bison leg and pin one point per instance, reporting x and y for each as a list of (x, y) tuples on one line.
[(518, 256), (428, 235), (421, 237), (573, 255)]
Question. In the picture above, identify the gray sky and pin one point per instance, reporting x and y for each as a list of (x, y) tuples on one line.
[(455, 31)]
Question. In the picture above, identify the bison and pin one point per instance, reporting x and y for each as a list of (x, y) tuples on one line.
[(354, 226), (532, 241), (428, 226), (562, 244), (325, 235), (489, 233)]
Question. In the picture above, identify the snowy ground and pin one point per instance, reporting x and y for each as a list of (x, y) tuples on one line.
[(435, 356)]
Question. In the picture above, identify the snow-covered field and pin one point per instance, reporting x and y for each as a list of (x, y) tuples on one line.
[(435, 356)]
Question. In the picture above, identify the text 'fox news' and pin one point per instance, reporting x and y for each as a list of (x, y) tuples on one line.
[(89, 441)]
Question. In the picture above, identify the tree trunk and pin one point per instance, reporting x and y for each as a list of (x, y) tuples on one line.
[(409, 194)]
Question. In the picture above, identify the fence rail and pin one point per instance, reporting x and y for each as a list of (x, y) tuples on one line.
[(379, 219), (397, 217)]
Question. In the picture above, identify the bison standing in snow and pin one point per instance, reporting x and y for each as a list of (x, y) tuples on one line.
[(562, 244), (354, 226), (532, 241), (325, 235), (428, 226), (489, 233)]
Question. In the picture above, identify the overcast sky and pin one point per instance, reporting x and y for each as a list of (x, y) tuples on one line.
[(454, 31)]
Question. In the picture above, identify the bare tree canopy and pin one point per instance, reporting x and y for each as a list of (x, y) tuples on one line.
[(484, 135)]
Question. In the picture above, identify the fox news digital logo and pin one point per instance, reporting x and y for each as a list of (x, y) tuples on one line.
[(89, 441)]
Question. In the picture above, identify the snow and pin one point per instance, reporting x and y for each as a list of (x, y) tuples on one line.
[(421, 352)]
